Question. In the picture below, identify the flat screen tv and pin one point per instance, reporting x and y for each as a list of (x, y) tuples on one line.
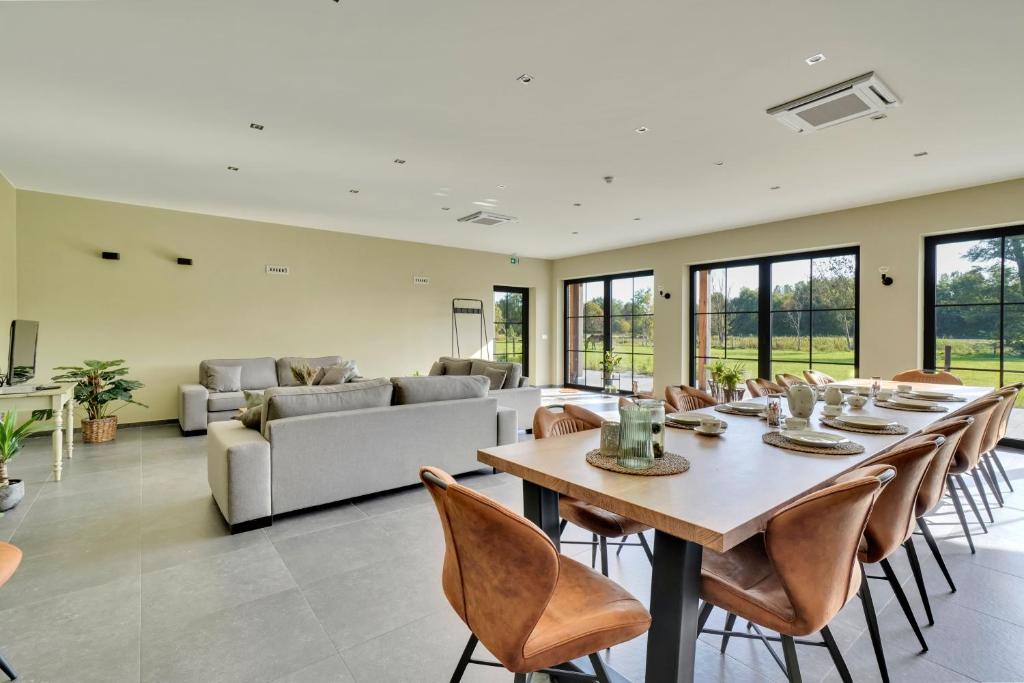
[(21, 355)]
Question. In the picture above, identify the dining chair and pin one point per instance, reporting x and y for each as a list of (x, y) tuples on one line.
[(682, 398), (786, 380), (968, 458), (818, 378), (764, 387), (795, 576), (10, 558), (602, 524), (996, 431), (926, 377), (530, 606)]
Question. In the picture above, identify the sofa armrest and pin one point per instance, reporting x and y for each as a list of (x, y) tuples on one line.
[(238, 469), (508, 425), (192, 407), (524, 381)]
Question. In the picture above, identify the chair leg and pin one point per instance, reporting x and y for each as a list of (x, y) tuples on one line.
[(604, 555), (915, 567), (970, 501), (837, 656), (702, 617), (599, 671), (1002, 471), (730, 622), (647, 548), (621, 541), (520, 678), (989, 473), (951, 487), (561, 527), (792, 663), (981, 492), (593, 550), (926, 531), (901, 598), (467, 654), (872, 620)]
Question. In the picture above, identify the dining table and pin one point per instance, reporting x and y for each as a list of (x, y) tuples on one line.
[(734, 485)]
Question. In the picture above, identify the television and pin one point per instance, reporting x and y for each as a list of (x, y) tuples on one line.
[(21, 355)]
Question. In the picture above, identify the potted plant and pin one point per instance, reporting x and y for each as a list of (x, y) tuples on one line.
[(12, 437), (99, 385), (730, 378), (715, 371), (609, 364)]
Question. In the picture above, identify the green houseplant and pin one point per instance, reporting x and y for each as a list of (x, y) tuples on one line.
[(730, 378), (99, 386), (609, 364), (12, 436)]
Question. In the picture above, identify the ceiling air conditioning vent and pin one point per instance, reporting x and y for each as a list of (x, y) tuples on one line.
[(862, 96), (486, 218)]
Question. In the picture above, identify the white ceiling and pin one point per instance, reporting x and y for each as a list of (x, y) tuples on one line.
[(148, 102)]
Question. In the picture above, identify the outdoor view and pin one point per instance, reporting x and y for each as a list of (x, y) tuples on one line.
[(811, 321), (510, 316), (625, 328)]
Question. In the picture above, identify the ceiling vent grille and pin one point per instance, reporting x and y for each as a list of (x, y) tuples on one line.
[(856, 98), (486, 218)]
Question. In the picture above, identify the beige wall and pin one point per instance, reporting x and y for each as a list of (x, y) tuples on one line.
[(346, 294), (8, 265), (888, 234)]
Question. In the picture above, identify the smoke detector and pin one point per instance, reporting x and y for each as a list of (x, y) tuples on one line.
[(864, 95), (486, 218)]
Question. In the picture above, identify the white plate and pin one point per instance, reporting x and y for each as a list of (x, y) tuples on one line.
[(807, 437), (929, 395), (865, 421), (911, 402), (751, 407), (709, 431), (684, 418)]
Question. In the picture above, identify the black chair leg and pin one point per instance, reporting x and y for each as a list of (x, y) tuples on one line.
[(730, 622), (915, 567), (981, 492), (901, 598), (837, 656), (599, 671), (792, 663), (970, 501), (520, 678), (593, 551), (872, 620), (989, 473), (604, 555), (926, 531), (467, 654), (621, 541), (1002, 471), (647, 548), (561, 527), (951, 487)]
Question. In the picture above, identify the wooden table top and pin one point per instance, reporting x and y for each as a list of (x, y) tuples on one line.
[(735, 483)]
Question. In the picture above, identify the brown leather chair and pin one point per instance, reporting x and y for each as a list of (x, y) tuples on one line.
[(682, 398), (529, 605), (926, 377), (968, 456), (816, 378), (10, 558), (786, 380), (602, 524), (997, 427), (763, 387), (797, 575)]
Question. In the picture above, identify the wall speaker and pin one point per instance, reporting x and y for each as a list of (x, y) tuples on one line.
[(112, 255), (182, 261)]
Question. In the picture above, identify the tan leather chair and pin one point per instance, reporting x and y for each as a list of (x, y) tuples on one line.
[(763, 387), (968, 456), (10, 558), (529, 605), (926, 377), (816, 378), (786, 380), (997, 427), (602, 524), (797, 575), (682, 398)]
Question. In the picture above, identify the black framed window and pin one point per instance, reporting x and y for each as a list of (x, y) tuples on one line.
[(610, 313), (778, 314), (974, 309), (512, 325)]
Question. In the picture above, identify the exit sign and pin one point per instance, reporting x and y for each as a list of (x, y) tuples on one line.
[(514, 260)]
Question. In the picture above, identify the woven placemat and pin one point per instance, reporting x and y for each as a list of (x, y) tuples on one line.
[(670, 463), (723, 408), (894, 406), (776, 439), (890, 429)]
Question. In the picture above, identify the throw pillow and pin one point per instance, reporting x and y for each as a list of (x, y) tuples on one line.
[(252, 417), (456, 366), (340, 373), (253, 398), (496, 377), (224, 378), (436, 369)]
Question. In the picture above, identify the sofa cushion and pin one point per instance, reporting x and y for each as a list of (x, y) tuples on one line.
[(456, 366), (225, 400), (224, 378), (437, 369), (253, 397), (338, 374), (257, 373), (428, 389), (283, 402), (496, 376), (251, 417), (284, 367), (513, 371)]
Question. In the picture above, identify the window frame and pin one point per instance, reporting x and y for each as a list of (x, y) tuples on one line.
[(525, 292)]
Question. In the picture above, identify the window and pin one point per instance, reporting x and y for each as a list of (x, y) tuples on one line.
[(974, 309), (511, 325), (780, 314), (624, 326)]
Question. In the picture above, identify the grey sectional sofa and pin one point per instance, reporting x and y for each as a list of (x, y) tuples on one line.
[(515, 392), (322, 444)]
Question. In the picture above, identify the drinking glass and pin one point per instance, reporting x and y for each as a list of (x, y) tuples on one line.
[(876, 385), (773, 411), (636, 449)]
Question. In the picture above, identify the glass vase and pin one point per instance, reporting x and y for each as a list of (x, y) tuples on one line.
[(636, 449), (657, 408)]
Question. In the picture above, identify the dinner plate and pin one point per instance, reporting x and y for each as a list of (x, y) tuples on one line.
[(928, 395), (911, 402), (751, 407), (865, 421), (688, 418), (807, 437)]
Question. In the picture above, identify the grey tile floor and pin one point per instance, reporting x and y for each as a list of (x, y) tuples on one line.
[(129, 575)]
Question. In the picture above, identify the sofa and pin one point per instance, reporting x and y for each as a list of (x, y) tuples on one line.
[(198, 405), (515, 391), (322, 444)]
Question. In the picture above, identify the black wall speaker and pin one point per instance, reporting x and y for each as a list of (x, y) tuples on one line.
[(112, 255), (182, 261)]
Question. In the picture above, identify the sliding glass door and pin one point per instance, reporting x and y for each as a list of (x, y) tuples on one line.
[(610, 313), (779, 314), (511, 325)]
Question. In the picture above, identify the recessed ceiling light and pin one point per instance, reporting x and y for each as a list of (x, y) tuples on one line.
[(524, 78), (577, 204), (636, 219), (775, 187), (232, 168), (446, 208), (399, 161), (642, 129), (815, 59), (354, 191), (719, 163), (575, 232), (920, 154), (256, 126), (878, 117), (501, 187)]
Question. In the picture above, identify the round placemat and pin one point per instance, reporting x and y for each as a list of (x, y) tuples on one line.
[(890, 429), (670, 463), (723, 408), (776, 439), (894, 406)]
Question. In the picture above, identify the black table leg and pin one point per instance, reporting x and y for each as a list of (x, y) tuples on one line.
[(675, 593), (540, 506)]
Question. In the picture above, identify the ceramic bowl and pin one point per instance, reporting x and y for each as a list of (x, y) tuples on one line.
[(856, 400)]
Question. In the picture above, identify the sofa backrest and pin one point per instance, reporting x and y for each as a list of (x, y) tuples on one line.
[(285, 365), (474, 366), (257, 373), (282, 402), (410, 390)]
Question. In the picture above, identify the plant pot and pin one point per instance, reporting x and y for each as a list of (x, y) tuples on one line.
[(99, 431), (11, 494)]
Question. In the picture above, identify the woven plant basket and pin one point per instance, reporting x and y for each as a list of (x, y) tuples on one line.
[(99, 431)]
